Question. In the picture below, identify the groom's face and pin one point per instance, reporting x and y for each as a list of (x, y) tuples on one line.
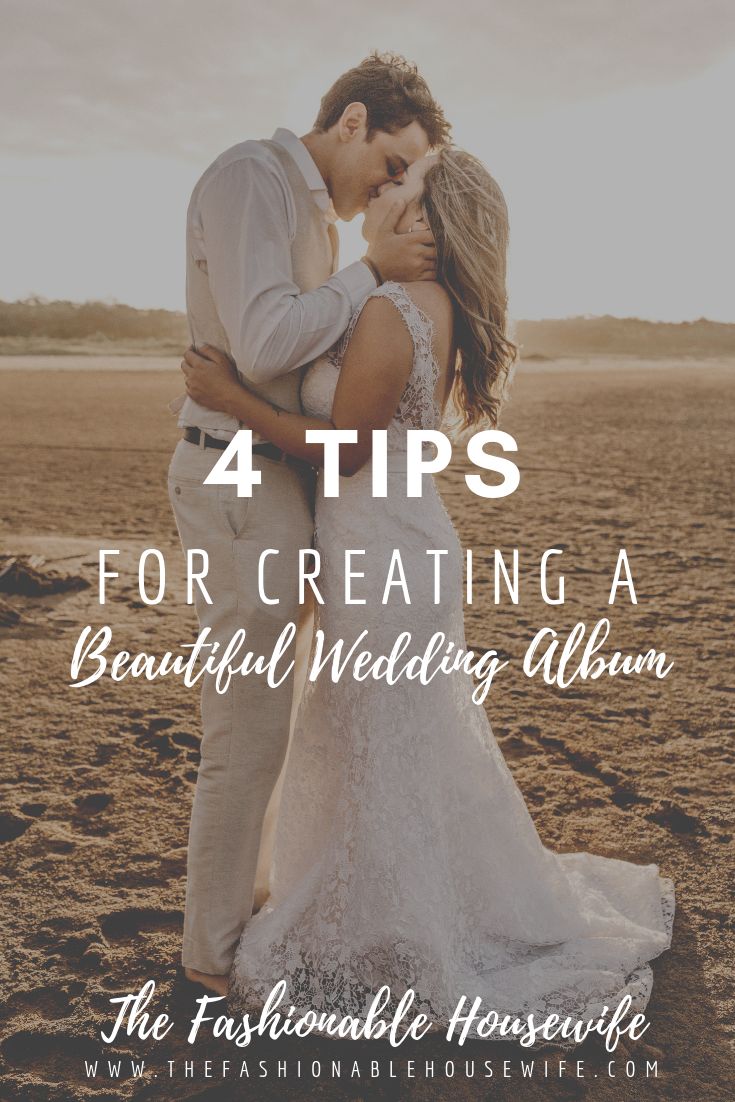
[(361, 166)]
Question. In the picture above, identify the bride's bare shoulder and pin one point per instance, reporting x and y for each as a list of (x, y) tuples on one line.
[(433, 300), (380, 325)]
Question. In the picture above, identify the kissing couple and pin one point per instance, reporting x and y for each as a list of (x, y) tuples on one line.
[(404, 854)]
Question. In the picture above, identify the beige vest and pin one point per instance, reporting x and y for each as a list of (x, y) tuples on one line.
[(313, 259)]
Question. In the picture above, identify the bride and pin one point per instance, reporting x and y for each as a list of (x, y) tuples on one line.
[(404, 852)]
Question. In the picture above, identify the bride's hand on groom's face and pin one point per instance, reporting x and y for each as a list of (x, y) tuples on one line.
[(403, 257), (210, 377)]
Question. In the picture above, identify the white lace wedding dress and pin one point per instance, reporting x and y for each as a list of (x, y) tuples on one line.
[(404, 852)]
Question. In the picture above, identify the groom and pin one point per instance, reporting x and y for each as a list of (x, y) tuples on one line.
[(262, 283)]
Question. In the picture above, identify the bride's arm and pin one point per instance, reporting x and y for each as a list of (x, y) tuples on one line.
[(374, 372)]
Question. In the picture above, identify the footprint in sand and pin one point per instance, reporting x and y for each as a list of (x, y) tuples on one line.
[(12, 826), (34, 810), (675, 819), (47, 1002), (92, 803), (88, 816), (170, 746), (56, 1057), (129, 924), (152, 735)]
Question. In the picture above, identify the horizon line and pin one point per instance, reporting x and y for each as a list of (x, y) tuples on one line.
[(34, 299)]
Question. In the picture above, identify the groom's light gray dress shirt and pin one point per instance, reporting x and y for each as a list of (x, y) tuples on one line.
[(240, 227)]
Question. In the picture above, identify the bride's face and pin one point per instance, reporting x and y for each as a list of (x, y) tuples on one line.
[(410, 188)]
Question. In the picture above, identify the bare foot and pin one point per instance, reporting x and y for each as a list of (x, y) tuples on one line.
[(213, 983)]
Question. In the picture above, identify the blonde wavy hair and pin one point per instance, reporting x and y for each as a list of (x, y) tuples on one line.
[(467, 214)]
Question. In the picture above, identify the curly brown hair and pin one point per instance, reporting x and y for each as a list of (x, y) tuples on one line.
[(394, 93), (468, 217)]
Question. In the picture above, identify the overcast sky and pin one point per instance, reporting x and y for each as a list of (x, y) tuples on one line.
[(607, 122)]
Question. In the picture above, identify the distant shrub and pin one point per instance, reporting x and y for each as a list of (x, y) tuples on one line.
[(98, 321)]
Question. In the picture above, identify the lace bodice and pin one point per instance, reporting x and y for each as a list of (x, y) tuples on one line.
[(417, 408)]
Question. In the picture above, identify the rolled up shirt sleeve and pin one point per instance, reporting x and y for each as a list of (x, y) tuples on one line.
[(247, 232)]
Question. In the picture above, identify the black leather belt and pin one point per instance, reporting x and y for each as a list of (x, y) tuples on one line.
[(204, 440)]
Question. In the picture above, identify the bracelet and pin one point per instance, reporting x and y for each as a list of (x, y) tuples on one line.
[(374, 269)]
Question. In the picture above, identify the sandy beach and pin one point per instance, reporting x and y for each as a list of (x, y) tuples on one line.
[(98, 781)]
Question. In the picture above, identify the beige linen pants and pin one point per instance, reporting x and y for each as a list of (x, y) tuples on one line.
[(244, 730)]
